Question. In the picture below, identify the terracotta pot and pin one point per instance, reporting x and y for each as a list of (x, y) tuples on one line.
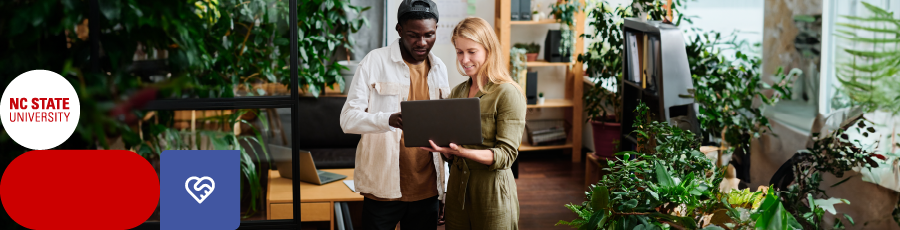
[(605, 133), (531, 56)]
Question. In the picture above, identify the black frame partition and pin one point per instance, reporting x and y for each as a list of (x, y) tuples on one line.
[(291, 101)]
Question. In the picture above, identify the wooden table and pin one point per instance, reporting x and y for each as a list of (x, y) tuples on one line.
[(316, 201)]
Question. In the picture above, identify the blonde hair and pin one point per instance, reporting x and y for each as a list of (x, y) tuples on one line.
[(478, 30)]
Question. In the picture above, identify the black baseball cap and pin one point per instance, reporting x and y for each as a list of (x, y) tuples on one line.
[(426, 6)]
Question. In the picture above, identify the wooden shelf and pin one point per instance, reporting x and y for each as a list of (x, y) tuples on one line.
[(542, 63), (525, 147), (553, 103), (540, 22), (503, 25)]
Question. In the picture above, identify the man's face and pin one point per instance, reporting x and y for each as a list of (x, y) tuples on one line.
[(417, 37)]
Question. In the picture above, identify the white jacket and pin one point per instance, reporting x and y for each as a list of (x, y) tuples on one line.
[(381, 82)]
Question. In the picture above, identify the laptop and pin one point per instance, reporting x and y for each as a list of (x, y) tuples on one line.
[(445, 121), (308, 171)]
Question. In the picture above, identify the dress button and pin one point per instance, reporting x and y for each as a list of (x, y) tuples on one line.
[(464, 172)]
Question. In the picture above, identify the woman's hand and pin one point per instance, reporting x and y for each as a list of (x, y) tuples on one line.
[(448, 152)]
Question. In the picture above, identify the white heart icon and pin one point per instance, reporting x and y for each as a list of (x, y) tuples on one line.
[(209, 189)]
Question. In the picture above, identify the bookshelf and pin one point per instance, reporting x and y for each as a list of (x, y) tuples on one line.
[(657, 74), (574, 83)]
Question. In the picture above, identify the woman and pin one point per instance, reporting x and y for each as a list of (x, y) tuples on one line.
[(481, 193)]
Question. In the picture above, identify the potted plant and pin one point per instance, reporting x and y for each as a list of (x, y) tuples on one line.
[(531, 50), (602, 103), (540, 100), (537, 15)]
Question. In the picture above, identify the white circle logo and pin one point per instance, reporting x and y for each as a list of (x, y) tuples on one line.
[(40, 109)]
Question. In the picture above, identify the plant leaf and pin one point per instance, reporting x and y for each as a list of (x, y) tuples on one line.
[(828, 205)]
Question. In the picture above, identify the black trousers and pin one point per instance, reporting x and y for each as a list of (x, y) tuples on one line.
[(384, 215)]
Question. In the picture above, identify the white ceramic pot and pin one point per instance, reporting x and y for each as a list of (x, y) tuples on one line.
[(540, 101)]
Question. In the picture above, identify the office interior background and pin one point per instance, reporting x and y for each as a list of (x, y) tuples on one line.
[(676, 114)]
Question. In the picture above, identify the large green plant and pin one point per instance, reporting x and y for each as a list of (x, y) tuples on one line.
[(726, 87), (325, 25), (870, 76), (670, 184), (604, 60)]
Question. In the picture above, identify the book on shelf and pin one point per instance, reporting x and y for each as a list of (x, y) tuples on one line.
[(634, 67), (654, 69), (515, 8), (524, 10)]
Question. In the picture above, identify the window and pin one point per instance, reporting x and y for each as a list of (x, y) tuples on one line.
[(833, 53)]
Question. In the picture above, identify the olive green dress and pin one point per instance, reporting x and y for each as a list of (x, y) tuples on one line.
[(484, 196)]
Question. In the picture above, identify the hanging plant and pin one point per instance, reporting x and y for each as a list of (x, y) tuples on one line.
[(565, 11), (517, 61)]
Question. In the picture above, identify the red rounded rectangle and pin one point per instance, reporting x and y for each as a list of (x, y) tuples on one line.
[(59, 189)]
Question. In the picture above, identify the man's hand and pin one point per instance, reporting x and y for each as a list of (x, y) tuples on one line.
[(396, 121)]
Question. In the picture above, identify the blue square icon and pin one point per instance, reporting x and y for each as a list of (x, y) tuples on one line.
[(200, 189)]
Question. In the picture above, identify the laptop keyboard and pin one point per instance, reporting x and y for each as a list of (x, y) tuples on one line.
[(325, 176)]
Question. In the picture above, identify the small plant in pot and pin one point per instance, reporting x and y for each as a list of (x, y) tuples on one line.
[(540, 98), (531, 50)]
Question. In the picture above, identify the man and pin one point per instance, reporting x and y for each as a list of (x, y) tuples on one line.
[(399, 184)]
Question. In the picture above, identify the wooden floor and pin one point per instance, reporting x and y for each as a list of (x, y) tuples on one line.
[(547, 181)]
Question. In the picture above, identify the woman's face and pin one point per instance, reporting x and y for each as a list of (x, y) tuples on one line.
[(470, 55)]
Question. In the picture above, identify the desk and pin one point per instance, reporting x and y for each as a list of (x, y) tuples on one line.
[(316, 201)]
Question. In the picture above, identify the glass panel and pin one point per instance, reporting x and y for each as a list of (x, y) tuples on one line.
[(836, 59), (205, 49), (261, 135)]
